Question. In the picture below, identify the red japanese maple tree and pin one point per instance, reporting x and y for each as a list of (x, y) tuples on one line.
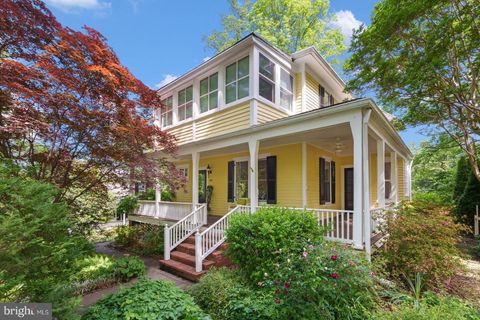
[(70, 112)]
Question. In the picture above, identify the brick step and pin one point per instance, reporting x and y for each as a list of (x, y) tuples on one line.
[(181, 269), (190, 240), (187, 248), (190, 259)]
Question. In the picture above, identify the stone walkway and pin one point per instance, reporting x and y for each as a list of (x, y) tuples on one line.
[(153, 272)]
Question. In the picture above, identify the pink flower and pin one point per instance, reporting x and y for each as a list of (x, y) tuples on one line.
[(334, 275), (352, 263), (259, 284), (334, 258), (277, 301), (286, 291), (310, 246), (286, 285), (305, 254), (277, 291), (372, 274)]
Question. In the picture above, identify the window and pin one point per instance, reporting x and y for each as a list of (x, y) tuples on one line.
[(262, 180), (331, 100), (241, 179), (185, 102), (327, 181), (167, 114), (286, 90), (209, 93), (388, 180), (266, 80), (184, 172), (321, 93), (237, 80)]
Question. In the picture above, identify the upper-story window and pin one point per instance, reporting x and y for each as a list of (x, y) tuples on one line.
[(167, 114), (237, 80), (266, 80), (209, 93), (331, 100), (185, 103), (321, 93), (286, 90)]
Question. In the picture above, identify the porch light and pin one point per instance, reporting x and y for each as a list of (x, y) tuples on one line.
[(209, 170), (339, 146)]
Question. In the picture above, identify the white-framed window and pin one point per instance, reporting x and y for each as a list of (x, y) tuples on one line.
[(185, 103), (321, 93), (266, 78), (388, 180), (184, 172), (237, 80), (167, 113), (286, 90), (241, 179), (209, 93)]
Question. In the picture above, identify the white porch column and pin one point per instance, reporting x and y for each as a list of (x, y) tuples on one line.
[(408, 173), (381, 173), (304, 174), (366, 183), (356, 127), (158, 198), (253, 146), (195, 163), (394, 177)]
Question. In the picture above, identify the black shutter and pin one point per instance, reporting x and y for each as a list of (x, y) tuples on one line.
[(231, 173), (136, 187), (322, 181), (272, 180), (333, 180)]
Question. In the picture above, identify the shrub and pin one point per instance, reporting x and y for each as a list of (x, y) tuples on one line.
[(223, 294), (326, 281), (126, 205), (431, 308), (422, 239), (470, 198), (141, 239), (128, 267), (147, 300), (257, 241), (37, 251)]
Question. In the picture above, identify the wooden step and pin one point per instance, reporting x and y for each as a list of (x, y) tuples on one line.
[(190, 259), (181, 269), (186, 248)]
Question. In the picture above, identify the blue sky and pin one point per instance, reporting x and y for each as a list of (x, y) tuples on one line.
[(159, 40)]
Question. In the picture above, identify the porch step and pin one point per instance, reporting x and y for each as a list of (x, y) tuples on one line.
[(187, 248), (181, 269), (190, 259)]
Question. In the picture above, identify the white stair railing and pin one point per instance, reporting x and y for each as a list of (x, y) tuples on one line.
[(177, 233), (212, 237)]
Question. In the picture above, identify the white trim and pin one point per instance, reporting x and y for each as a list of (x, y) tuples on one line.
[(253, 112), (303, 83)]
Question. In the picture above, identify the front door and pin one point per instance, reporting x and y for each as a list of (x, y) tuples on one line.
[(202, 186), (348, 174)]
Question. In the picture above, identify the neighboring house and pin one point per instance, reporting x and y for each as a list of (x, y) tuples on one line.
[(266, 128)]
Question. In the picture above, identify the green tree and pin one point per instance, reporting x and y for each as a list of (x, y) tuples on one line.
[(37, 249), (422, 57), (461, 178), (466, 206), (290, 25)]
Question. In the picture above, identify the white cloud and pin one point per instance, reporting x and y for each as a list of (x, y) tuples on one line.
[(166, 80), (82, 4), (346, 22), (206, 58)]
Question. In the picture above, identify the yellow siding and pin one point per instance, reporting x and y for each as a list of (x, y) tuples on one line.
[(183, 133), (184, 194), (267, 113), (229, 120), (313, 100), (298, 92), (401, 179)]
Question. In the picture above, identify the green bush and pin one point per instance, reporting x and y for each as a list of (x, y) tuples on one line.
[(257, 241), (126, 205), (466, 204), (37, 250), (147, 300), (431, 308), (141, 239), (223, 294), (128, 267), (422, 239), (327, 280)]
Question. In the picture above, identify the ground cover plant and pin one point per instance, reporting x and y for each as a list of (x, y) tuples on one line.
[(142, 239)]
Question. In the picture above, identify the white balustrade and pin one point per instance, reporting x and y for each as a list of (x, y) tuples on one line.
[(338, 224), (167, 210), (377, 220), (177, 233), (212, 237)]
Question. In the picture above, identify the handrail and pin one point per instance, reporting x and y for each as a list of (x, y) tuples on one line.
[(213, 237), (177, 233)]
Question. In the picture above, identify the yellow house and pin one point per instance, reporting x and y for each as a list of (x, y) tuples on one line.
[(260, 127)]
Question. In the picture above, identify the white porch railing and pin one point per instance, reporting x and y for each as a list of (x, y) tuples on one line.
[(377, 220), (167, 210), (212, 237), (338, 223), (177, 233)]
